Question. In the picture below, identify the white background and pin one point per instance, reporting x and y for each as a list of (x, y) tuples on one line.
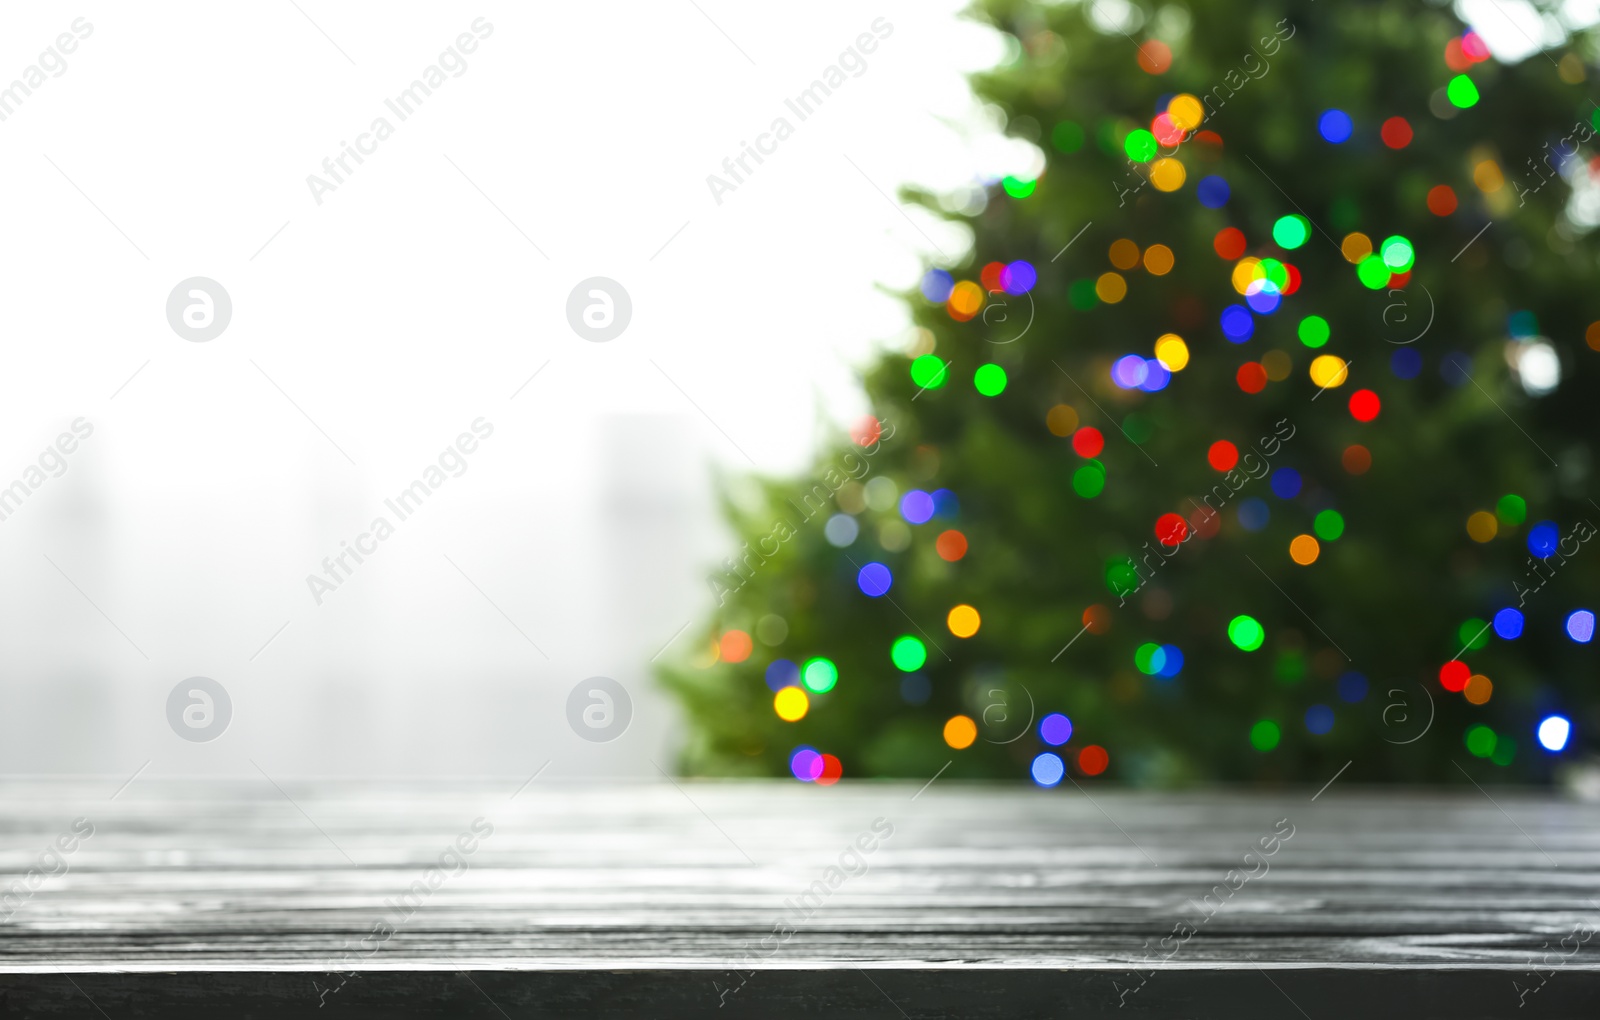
[(394, 314)]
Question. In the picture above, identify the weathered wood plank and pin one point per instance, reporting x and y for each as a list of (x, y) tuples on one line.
[(602, 890)]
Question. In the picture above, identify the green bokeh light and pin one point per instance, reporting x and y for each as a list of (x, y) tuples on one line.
[(1473, 633), (1145, 658), (1264, 735), (1081, 295), (1016, 187), (819, 674), (1089, 480), (1397, 253), (1291, 231), (1461, 92), (1121, 577), (1140, 145), (990, 380), (908, 653), (1512, 509), (1480, 740), (929, 372), (1313, 331), (1276, 273), (1328, 525), (1245, 633), (1374, 275), (1505, 749)]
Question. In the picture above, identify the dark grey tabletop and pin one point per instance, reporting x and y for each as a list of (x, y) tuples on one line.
[(472, 897)]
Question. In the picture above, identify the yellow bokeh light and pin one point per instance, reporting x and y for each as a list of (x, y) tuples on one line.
[(1158, 260), (707, 655), (1329, 371), (966, 298), (1479, 688), (1247, 271), (1482, 526), (1487, 176), (1356, 246), (791, 704), (1185, 112), (1167, 174), (1061, 420), (1172, 352), (1277, 365), (1304, 550), (960, 732), (1124, 254), (1110, 288), (963, 621), (1571, 69)]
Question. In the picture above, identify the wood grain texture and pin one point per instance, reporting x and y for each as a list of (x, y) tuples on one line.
[(976, 899)]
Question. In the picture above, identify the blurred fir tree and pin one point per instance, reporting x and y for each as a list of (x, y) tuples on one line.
[(1064, 558)]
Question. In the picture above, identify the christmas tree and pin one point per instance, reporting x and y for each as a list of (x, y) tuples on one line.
[(1247, 441)]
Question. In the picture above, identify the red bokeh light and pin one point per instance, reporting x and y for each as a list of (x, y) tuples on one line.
[(1364, 405), (1223, 455), (1206, 522), (1357, 459), (1251, 377), (951, 545), (1088, 442), (735, 646), (990, 277), (832, 770), (1294, 279), (1097, 618), (1171, 529), (1453, 675), (1396, 132), (1155, 57), (1093, 760), (1229, 243), (866, 430)]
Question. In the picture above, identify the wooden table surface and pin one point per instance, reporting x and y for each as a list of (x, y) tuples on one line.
[(277, 897)]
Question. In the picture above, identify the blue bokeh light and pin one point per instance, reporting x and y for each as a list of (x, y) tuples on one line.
[(874, 580), (782, 673), (1319, 719), (937, 285), (1508, 623), (1213, 192), (1254, 514), (1018, 278), (916, 507), (1405, 363), (1055, 729), (1543, 538), (1580, 626), (1237, 323), (1047, 769), (1335, 126), (1352, 687), (1554, 731), (1286, 483)]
